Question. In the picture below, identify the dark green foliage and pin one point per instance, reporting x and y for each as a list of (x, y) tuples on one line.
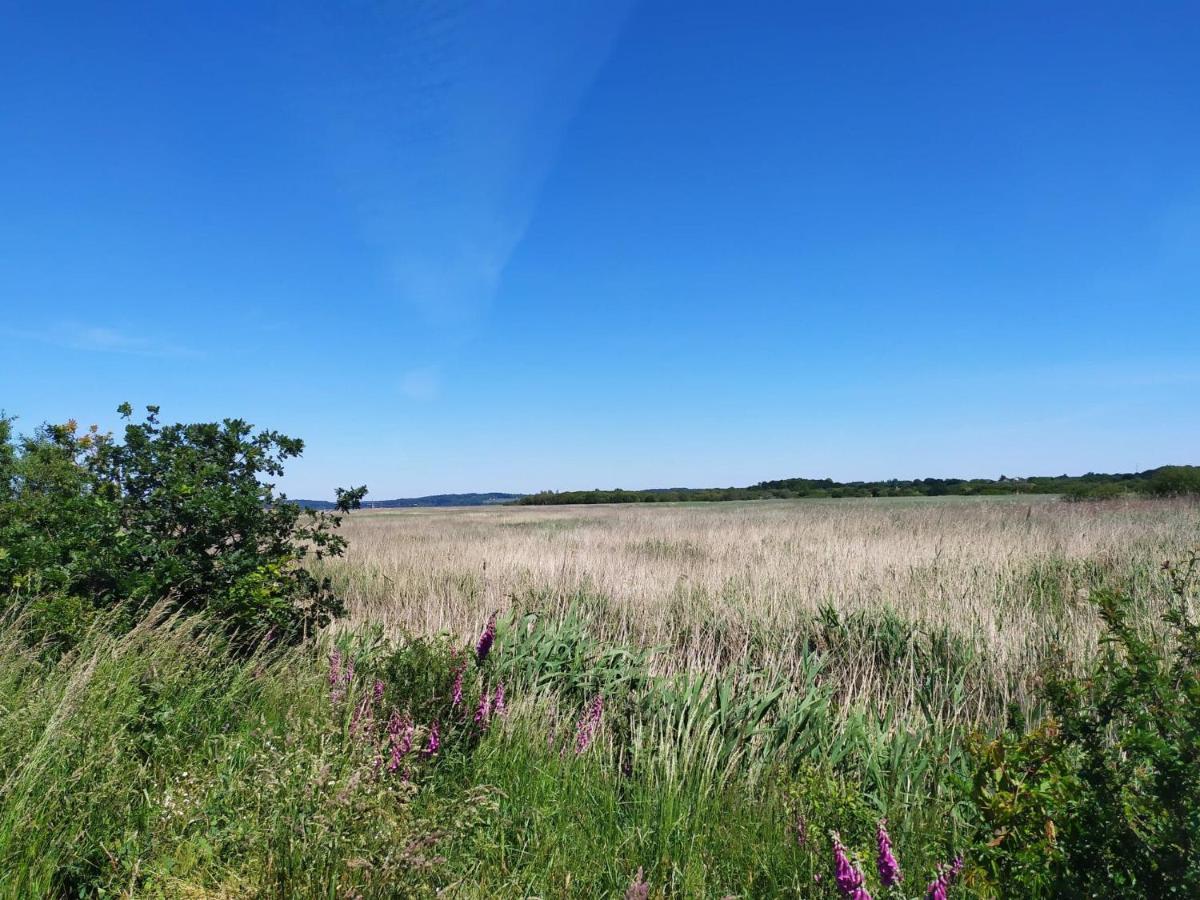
[(1103, 799), (1174, 481), (181, 514), (1164, 481)]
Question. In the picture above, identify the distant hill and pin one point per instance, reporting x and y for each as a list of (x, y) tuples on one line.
[(432, 500)]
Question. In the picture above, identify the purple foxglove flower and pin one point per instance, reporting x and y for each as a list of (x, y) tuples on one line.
[(498, 700), (357, 715), (400, 739), (849, 879), (484, 710), (377, 691), (395, 725), (335, 676), (639, 888), (484, 646), (435, 740), (939, 888), (885, 861)]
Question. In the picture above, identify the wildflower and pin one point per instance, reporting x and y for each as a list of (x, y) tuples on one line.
[(484, 710), (361, 716), (589, 724), (400, 739), (456, 689), (377, 692), (939, 888), (348, 672), (638, 889), (849, 879), (435, 740), (801, 828), (885, 861), (335, 674), (484, 646), (498, 700)]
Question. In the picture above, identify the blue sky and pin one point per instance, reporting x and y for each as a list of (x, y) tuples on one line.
[(460, 246)]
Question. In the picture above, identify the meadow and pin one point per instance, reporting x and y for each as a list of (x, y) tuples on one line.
[(974, 593), (848, 698)]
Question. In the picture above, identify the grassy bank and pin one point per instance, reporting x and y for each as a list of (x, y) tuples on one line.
[(159, 764)]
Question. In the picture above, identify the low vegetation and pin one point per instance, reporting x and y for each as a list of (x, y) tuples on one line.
[(178, 720)]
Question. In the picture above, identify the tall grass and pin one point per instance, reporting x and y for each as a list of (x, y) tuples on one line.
[(711, 736), (954, 604), (159, 763)]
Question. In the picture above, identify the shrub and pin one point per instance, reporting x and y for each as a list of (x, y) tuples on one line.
[(180, 513), (1175, 481), (1104, 799)]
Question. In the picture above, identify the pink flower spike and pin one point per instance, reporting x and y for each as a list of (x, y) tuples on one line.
[(435, 740), (483, 711), (498, 700), (484, 646), (889, 869), (849, 879), (456, 689)]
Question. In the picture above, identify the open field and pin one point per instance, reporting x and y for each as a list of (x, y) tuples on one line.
[(895, 594), (763, 699)]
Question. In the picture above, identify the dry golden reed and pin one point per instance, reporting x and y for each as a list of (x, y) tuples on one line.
[(1005, 580)]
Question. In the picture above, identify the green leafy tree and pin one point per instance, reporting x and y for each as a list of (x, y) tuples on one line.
[(185, 514)]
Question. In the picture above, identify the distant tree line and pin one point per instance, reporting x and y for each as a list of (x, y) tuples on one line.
[(1165, 481)]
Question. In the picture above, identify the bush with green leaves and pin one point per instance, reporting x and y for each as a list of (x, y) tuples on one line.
[(182, 513), (1103, 798)]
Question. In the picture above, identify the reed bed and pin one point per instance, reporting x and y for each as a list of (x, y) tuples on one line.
[(964, 600)]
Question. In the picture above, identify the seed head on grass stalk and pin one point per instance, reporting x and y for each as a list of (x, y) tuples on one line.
[(456, 687)]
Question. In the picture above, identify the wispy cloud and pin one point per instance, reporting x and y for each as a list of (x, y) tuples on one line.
[(100, 339), (443, 135)]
